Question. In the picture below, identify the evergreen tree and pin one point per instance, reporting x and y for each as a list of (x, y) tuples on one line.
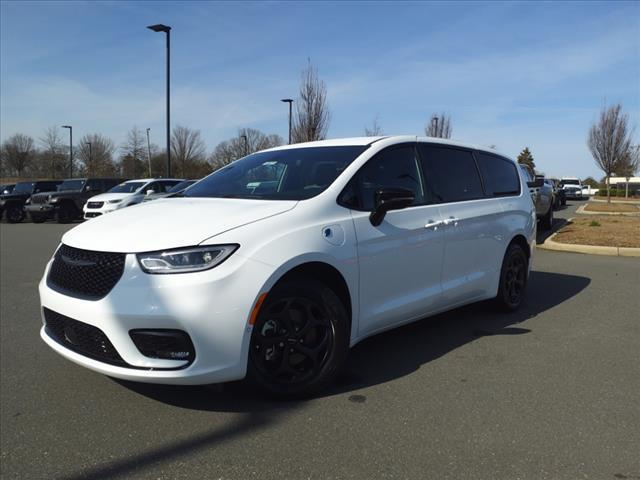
[(525, 158)]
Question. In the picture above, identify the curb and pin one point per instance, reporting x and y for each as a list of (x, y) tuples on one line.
[(549, 244), (581, 211), (631, 202)]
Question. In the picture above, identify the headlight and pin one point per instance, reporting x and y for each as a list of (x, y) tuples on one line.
[(53, 200), (27, 201), (185, 260), (114, 201)]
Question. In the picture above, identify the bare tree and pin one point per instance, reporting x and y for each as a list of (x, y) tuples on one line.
[(133, 159), (248, 141), (187, 150), (54, 157), (610, 141), (629, 165), (375, 130), (439, 126), (96, 160), (18, 152), (312, 116)]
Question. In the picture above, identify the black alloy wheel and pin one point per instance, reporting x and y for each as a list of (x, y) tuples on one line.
[(300, 339), (513, 279), (15, 214)]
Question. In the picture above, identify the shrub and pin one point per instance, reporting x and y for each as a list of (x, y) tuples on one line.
[(594, 223)]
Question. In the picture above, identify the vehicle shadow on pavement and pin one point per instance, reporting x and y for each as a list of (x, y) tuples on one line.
[(389, 355), (542, 235)]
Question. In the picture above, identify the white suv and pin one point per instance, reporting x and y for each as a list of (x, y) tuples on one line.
[(572, 187), (126, 194), (276, 264)]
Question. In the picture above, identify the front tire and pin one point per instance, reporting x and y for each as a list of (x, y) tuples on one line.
[(66, 213), (300, 339), (513, 279), (15, 215), (546, 222), (35, 218)]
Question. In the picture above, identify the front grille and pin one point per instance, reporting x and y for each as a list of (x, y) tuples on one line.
[(38, 199), (84, 273), (95, 204), (92, 214), (81, 338)]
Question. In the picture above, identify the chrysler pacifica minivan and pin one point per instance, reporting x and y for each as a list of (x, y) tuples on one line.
[(273, 266)]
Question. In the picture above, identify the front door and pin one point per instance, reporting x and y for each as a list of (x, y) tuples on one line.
[(400, 260)]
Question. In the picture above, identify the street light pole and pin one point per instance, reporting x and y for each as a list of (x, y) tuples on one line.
[(166, 29), (290, 102), (90, 162), (149, 153), (70, 149), (435, 120), (246, 145)]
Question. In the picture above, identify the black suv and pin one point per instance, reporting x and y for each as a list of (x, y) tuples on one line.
[(13, 203), (66, 203)]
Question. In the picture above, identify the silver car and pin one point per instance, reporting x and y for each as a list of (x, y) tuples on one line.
[(542, 195)]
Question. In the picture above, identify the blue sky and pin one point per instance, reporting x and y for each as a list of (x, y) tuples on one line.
[(510, 74)]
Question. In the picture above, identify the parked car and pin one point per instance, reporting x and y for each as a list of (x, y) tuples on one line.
[(66, 203), (559, 196), (7, 188), (13, 203), (276, 264), (542, 196), (178, 187), (126, 194), (572, 187)]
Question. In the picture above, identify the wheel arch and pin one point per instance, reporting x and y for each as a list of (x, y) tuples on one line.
[(327, 274)]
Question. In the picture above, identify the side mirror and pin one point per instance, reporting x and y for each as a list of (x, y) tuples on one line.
[(537, 183), (386, 199), (150, 192)]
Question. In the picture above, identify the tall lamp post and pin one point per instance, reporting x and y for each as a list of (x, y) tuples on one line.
[(90, 159), (166, 29), (246, 145), (70, 149), (435, 121), (290, 102), (149, 153)]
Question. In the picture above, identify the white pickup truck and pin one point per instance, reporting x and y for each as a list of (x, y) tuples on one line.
[(572, 187)]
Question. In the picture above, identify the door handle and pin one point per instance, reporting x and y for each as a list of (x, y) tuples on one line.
[(451, 221), (432, 224)]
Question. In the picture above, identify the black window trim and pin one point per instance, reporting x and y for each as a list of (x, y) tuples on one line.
[(503, 159), (427, 193)]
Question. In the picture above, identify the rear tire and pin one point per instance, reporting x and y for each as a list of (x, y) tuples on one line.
[(300, 339), (513, 279), (15, 214)]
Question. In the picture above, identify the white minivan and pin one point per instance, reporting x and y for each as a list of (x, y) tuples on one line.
[(276, 264), (126, 194)]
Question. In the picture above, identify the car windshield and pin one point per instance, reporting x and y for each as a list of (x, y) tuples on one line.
[(181, 186), (23, 187), (127, 187), (290, 174), (570, 182), (68, 185)]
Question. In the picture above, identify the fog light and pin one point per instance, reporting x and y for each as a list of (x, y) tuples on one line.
[(165, 344)]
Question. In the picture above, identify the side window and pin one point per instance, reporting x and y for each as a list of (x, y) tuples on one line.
[(94, 185), (527, 174), (499, 175), (155, 186), (167, 184), (451, 173), (392, 168)]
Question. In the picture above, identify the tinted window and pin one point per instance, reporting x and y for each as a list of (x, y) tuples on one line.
[(527, 173), (181, 186), (127, 187), (499, 175), (289, 174), (392, 168), (68, 185), (450, 173)]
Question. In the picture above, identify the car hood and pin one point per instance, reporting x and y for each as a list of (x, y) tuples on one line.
[(105, 197), (58, 194), (169, 223)]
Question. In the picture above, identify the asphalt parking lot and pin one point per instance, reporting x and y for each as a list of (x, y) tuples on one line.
[(551, 391)]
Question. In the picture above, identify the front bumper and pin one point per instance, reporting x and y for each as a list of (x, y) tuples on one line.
[(573, 193), (96, 212), (40, 209), (212, 307)]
